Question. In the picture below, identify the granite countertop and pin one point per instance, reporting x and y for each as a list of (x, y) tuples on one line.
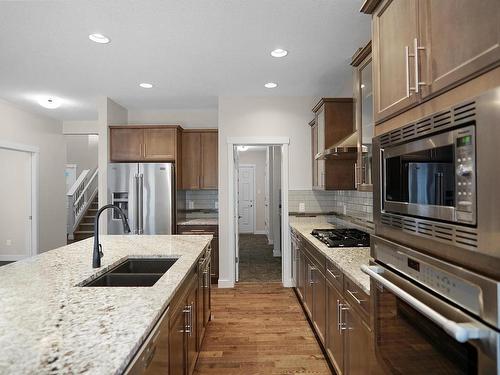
[(348, 259), (49, 325), (201, 221)]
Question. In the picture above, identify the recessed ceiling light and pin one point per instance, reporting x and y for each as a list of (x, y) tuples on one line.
[(50, 103), (145, 85), (278, 52), (99, 38), (271, 85), (242, 148)]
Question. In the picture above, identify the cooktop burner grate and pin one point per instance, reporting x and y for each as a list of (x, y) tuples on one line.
[(342, 237)]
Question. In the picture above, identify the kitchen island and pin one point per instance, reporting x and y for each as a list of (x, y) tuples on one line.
[(50, 323)]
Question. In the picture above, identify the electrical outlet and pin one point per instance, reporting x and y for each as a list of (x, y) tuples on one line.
[(344, 209), (216, 204), (191, 205), (302, 207), (8, 242)]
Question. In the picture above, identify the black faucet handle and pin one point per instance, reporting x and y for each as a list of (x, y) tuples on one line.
[(100, 251)]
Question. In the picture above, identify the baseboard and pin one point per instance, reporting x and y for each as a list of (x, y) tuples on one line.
[(12, 258), (225, 283), (276, 253), (289, 283), (270, 241), (260, 232)]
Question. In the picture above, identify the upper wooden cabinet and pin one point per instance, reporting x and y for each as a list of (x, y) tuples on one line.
[(332, 123), (199, 159), (159, 143), (394, 29), (126, 144), (421, 48), (363, 103), (463, 38)]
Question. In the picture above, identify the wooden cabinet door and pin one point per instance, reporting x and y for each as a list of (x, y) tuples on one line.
[(334, 337), (192, 345), (308, 290), (177, 347), (358, 344), (191, 159), (320, 123), (314, 151), (209, 158), (461, 38), (214, 262), (394, 28), (126, 144), (301, 274), (319, 304), (160, 144)]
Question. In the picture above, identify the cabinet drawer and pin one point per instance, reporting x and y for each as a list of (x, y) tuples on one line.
[(317, 258), (198, 229), (334, 275), (357, 298)]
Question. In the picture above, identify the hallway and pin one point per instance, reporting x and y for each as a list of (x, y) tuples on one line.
[(257, 263), (259, 329)]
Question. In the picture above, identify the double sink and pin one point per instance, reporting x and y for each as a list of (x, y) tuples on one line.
[(134, 272)]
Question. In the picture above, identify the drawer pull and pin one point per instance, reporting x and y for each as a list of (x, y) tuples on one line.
[(352, 294), (332, 274)]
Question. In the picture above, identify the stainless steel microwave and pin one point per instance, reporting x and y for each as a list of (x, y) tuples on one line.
[(437, 183)]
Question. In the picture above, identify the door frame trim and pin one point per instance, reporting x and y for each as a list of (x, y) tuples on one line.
[(34, 151), (284, 142), (253, 166)]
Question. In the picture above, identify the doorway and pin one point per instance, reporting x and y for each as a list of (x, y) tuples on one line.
[(18, 199), (258, 191)]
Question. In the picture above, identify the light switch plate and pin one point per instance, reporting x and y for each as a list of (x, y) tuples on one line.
[(302, 207)]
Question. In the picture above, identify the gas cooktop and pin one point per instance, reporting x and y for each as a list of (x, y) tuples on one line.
[(342, 237)]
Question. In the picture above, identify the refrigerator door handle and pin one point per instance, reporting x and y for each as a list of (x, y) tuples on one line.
[(140, 212)]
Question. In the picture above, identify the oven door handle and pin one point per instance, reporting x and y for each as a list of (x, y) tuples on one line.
[(461, 332)]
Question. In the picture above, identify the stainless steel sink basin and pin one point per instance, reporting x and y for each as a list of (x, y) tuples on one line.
[(145, 265), (134, 272)]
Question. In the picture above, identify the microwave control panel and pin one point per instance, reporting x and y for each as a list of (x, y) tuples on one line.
[(449, 286), (465, 162)]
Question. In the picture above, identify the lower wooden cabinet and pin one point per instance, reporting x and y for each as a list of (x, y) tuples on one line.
[(339, 312), (210, 230), (334, 337), (173, 346)]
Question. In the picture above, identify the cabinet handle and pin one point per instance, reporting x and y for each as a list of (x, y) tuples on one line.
[(332, 274), (144, 149), (352, 294), (189, 327), (311, 270), (416, 48), (342, 325), (407, 70)]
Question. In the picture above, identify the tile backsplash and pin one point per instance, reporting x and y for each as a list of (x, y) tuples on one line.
[(348, 202), (197, 203)]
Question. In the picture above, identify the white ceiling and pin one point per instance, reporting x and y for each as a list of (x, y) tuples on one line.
[(192, 51)]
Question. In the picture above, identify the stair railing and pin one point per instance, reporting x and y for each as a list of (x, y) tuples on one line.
[(80, 197)]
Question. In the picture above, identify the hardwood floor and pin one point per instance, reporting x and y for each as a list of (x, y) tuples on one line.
[(259, 329)]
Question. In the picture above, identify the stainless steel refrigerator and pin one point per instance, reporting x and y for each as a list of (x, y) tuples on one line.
[(146, 193)]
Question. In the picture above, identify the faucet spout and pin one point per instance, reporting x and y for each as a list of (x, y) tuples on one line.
[(98, 254)]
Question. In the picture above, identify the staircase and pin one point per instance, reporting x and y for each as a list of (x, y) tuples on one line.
[(86, 227), (82, 206)]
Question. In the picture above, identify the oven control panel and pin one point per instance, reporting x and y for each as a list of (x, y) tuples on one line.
[(465, 174), (457, 290)]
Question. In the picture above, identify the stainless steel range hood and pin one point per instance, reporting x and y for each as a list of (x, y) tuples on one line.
[(348, 145)]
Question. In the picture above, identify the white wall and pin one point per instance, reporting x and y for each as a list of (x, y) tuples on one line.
[(262, 117), (187, 118), (109, 113), (81, 149), (257, 158), (19, 126)]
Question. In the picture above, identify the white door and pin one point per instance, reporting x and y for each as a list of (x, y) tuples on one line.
[(15, 200), (246, 199)]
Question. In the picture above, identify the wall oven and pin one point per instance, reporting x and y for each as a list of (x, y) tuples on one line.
[(431, 317), (436, 183)]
